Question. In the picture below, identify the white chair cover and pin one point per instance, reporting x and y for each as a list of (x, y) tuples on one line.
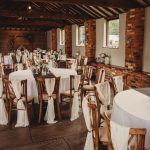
[(75, 103), (50, 112), (119, 136), (3, 112), (89, 145), (2, 70), (104, 94), (31, 83), (89, 75), (74, 66), (79, 58), (26, 52), (85, 60), (30, 55), (118, 83), (22, 117), (1, 60), (18, 58), (101, 75), (24, 58)]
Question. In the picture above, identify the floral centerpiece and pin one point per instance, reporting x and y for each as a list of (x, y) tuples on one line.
[(56, 54)]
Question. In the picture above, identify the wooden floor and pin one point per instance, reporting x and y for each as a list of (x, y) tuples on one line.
[(64, 135)]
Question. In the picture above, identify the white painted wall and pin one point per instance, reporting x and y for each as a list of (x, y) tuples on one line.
[(146, 52), (117, 55), (49, 40), (74, 47)]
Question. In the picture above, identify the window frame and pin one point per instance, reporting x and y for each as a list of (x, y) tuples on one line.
[(78, 35), (62, 37), (106, 33)]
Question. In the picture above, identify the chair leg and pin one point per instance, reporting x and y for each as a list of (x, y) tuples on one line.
[(9, 113), (58, 110), (40, 112)]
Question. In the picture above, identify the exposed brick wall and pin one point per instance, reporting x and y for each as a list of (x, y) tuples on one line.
[(68, 40), (90, 39), (134, 79), (134, 38), (11, 39), (54, 39)]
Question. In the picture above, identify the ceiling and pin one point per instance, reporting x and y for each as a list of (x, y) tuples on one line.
[(47, 14)]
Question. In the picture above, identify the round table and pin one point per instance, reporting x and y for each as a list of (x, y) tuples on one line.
[(131, 108)]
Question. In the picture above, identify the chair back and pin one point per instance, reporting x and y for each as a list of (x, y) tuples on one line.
[(42, 88), (10, 94), (100, 75), (94, 124), (138, 134), (89, 113), (119, 83)]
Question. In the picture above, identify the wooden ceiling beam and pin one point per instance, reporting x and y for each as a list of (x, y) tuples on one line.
[(28, 23), (41, 15), (102, 3)]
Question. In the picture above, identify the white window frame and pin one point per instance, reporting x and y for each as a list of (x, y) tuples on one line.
[(78, 39), (106, 34), (62, 37)]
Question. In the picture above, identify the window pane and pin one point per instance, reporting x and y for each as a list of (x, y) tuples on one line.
[(62, 37), (81, 35), (113, 33)]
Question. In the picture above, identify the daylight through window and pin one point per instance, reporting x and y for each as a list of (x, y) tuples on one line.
[(62, 37), (80, 37), (112, 31)]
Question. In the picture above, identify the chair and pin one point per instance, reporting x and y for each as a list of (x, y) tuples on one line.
[(90, 113), (100, 77), (74, 89), (103, 98), (43, 96), (3, 105), (13, 99), (119, 83), (135, 133)]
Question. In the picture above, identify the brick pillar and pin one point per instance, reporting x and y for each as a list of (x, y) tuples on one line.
[(90, 39), (134, 38), (68, 41), (54, 39)]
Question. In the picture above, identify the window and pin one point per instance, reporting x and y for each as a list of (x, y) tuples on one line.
[(62, 37), (80, 35), (111, 31)]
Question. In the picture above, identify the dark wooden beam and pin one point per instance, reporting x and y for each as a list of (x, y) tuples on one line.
[(42, 15), (28, 23), (102, 3)]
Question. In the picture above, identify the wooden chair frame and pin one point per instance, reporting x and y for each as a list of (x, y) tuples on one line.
[(135, 133), (42, 90), (10, 96)]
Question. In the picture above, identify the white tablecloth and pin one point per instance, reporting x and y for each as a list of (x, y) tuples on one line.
[(132, 109), (8, 60), (64, 74), (31, 83)]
